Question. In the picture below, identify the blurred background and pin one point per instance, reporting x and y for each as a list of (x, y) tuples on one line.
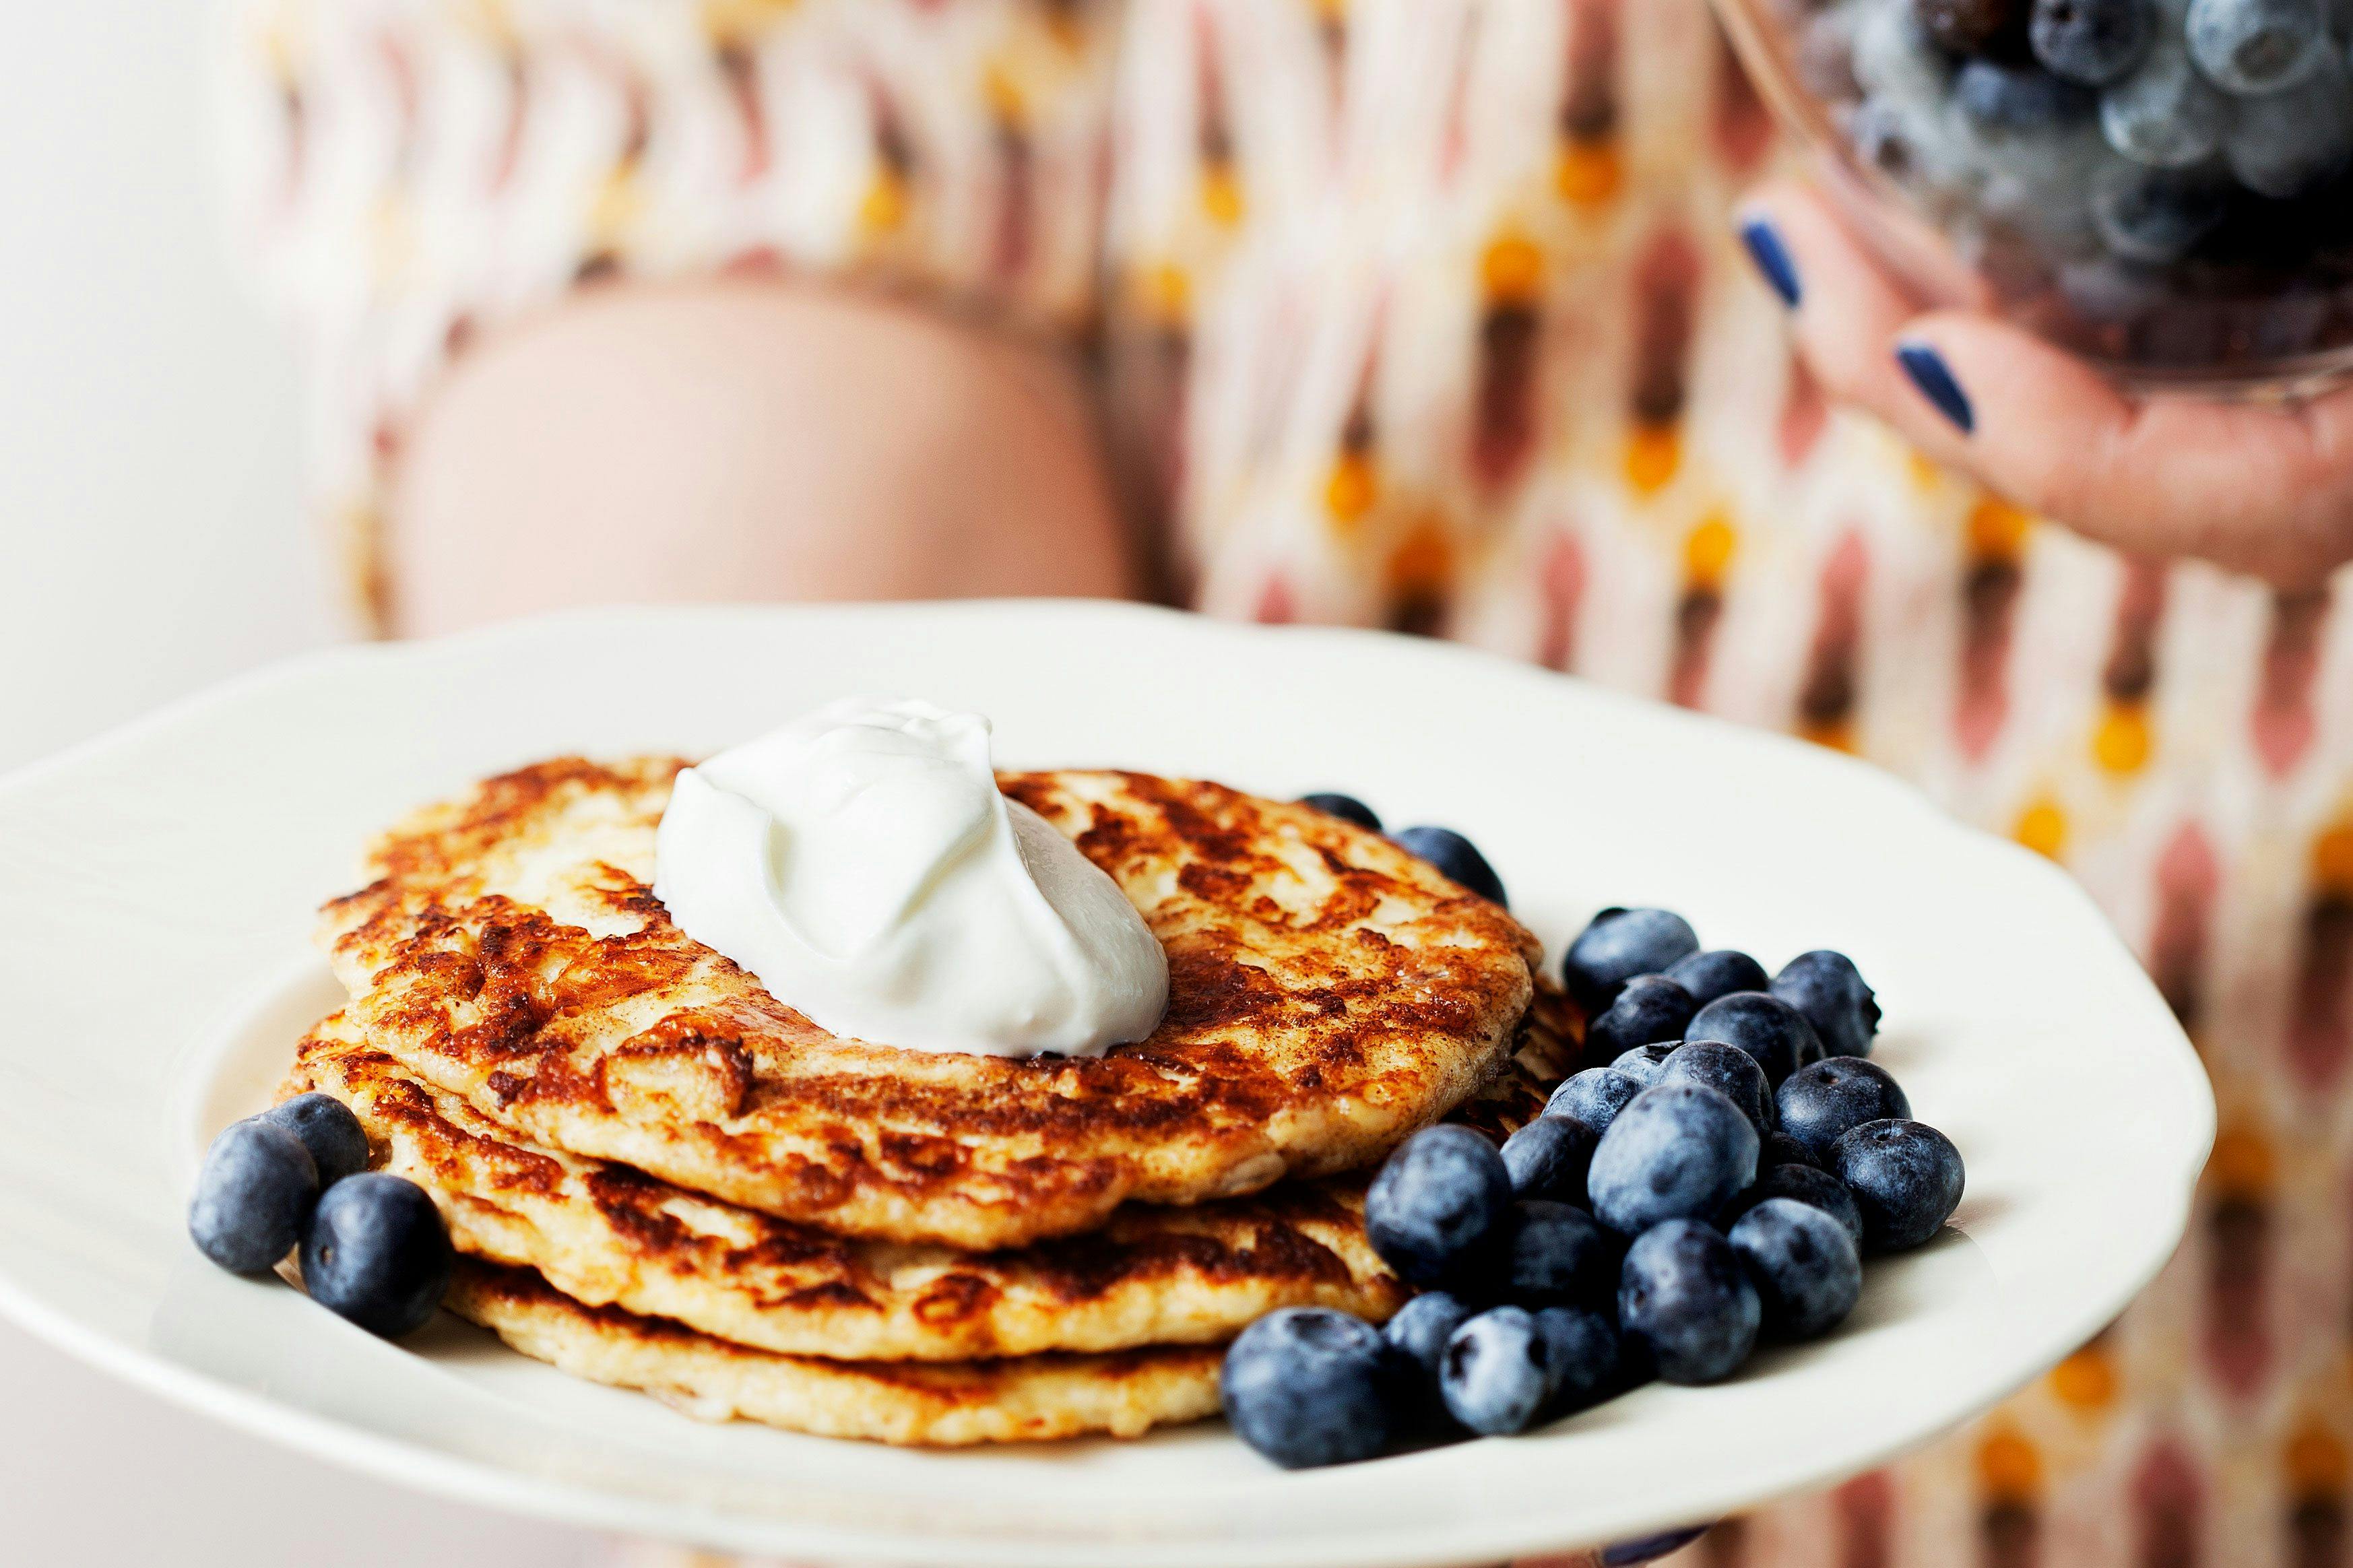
[(152, 544)]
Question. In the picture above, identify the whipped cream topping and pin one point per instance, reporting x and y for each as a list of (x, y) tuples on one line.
[(861, 862)]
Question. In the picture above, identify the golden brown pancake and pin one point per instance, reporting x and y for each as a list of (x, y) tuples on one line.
[(1329, 993), (604, 1233), (929, 1403)]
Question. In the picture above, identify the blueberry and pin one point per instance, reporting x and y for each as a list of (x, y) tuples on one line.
[(1594, 1097), (1423, 1325), (1455, 857), (1731, 1072), (1439, 1204), (1765, 1026), (2017, 100), (1806, 1272), (2165, 115), (1496, 1374), (1649, 1009), (377, 1253), (1683, 1294), (254, 1192), (1347, 808), (1679, 1150), (1780, 1149), (1582, 1355), (2092, 41), (2153, 218), (1619, 945), (1829, 990), (2292, 142), (2253, 47), (1549, 1158), (1643, 1063), (1906, 1178), (1971, 26), (1556, 1255), (1805, 1183), (1307, 1385), (1820, 1102), (1719, 972), (337, 1142)]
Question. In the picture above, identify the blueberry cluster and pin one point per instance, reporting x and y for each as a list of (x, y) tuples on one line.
[(1719, 1181), (2158, 181), (374, 1248)]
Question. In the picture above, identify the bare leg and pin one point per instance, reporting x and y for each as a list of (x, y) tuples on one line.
[(748, 442)]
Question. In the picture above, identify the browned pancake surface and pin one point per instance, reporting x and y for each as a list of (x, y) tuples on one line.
[(606, 1233), (930, 1403), (1328, 994)]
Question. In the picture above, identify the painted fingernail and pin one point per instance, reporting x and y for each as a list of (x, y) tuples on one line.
[(1772, 259), (1934, 377)]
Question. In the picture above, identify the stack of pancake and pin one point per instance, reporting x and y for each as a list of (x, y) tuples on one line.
[(660, 1176)]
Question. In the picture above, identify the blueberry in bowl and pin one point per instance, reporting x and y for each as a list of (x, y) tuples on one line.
[(2163, 187)]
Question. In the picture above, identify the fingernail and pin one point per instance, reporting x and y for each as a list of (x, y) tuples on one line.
[(1772, 259), (1934, 377)]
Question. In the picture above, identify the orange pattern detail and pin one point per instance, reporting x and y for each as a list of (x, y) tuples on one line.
[(2243, 1165), (1588, 172), (1654, 453), (1352, 488), (2043, 827), (2121, 744), (2010, 1469), (1708, 550)]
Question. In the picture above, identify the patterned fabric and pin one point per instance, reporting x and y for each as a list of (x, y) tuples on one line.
[(1424, 313)]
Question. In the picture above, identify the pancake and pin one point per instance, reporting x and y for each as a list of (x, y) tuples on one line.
[(604, 1233), (1329, 993), (928, 1404)]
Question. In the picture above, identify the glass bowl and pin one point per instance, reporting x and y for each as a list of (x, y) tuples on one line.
[(2163, 187)]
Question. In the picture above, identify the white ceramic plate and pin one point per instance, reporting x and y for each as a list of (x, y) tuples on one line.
[(155, 896)]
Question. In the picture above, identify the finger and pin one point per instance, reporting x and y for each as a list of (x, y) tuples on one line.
[(1845, 310), (2260, 488), (2265, 488)]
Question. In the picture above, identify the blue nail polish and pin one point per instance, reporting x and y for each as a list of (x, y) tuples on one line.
[(1772, 259), (1934, 377)]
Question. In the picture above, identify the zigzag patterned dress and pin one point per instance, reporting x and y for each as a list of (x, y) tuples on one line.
[(1425, 314)]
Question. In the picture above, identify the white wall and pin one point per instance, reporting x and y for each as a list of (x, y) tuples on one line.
[(150, 545)]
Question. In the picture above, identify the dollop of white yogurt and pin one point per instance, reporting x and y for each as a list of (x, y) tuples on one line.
[(862, 863)]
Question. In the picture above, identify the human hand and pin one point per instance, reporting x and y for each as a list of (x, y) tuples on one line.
[(2265, 487)]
